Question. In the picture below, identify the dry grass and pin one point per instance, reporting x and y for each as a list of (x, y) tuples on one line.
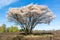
[(38, 36)]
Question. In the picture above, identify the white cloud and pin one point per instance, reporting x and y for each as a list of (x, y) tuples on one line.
[(6, 2)]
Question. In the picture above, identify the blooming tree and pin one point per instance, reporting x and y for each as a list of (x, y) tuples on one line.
[(29, 16)]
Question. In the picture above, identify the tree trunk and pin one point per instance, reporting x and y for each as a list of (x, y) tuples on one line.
[(31, 30), (28, 30)]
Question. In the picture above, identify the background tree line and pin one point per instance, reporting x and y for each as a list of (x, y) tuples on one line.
[(3, 28)]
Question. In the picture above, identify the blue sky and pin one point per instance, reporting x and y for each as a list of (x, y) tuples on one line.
[(54, 5)]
